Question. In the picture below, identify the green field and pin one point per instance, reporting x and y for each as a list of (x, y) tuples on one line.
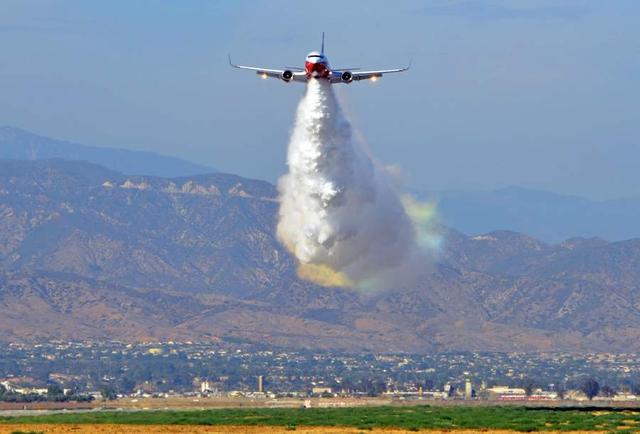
[(414, 417)]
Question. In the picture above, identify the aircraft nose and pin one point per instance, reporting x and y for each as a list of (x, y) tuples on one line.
[(316, 69)]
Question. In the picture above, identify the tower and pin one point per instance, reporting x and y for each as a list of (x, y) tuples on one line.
[(468, 389)]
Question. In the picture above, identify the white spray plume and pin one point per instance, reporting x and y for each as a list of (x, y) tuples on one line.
[(340, 214)]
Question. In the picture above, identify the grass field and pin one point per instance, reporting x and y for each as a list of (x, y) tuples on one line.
[(363, 418), (227, 429)]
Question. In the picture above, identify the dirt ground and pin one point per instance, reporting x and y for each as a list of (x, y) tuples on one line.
[(190, 403), (198, 429), (202, 403)]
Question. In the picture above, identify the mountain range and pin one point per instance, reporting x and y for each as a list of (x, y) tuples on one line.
[(547, 216), (91, 253), (19, 144)]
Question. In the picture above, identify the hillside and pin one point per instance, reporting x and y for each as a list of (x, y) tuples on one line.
[(86, 252)]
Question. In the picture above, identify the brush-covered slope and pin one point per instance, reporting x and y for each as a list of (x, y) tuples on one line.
[(86, 252)]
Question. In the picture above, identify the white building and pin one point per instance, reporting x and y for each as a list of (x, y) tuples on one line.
[(205, 387), (468, 389)]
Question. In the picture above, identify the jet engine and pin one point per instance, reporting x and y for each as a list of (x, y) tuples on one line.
[(347, 77), (286, 76)]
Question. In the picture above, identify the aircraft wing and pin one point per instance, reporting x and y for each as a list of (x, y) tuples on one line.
[(366, 75), (298, 75)]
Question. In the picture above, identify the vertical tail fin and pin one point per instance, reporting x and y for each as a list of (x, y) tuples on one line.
[(322, 49)]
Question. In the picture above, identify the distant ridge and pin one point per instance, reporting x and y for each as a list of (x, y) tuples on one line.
[(547, 216), (19, 144)]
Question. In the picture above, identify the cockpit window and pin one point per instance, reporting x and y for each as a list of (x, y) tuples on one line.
[(314, 55)]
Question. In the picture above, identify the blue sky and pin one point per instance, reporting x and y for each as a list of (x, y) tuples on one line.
[(541, 94)]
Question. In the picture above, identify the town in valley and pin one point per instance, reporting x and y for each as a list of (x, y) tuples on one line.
[(107, 371)]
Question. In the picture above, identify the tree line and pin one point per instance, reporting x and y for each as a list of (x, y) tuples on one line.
[(55, 393)]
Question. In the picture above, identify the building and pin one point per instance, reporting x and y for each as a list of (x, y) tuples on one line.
[(468, 389), (320, 390), (205, 387), (505, 393)]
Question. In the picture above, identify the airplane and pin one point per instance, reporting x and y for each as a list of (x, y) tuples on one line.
[(317, 66)]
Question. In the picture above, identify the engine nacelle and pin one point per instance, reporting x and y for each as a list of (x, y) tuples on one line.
[(286, 76), (347, 77)]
